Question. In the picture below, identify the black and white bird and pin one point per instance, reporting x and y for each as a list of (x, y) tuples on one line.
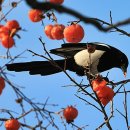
[(93, 57)]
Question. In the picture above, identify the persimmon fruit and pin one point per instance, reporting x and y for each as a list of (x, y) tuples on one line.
[(12, 124), (57, 31), (98, 83), (105, 92), (105, 95), (7, 41), (35, 15), (70, 113), (74, 33), (12, 24), (4, 30), (47, 31), (104, 101)]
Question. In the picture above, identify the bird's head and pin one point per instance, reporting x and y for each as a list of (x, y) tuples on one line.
[(124, 64)]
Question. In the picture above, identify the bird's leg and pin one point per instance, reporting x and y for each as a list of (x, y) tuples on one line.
[(87, 70), (91, 49), (89, 66)]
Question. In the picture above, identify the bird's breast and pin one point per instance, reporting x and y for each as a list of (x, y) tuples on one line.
[(86, 59)]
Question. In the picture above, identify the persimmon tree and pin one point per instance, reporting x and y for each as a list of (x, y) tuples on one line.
[(98, 93)]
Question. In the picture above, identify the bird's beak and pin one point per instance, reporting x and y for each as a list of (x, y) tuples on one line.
[(124, 70), (125, 74)]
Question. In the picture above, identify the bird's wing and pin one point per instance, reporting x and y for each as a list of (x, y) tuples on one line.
[(70, 49)]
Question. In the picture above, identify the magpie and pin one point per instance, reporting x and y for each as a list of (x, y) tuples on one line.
[(93, 57)]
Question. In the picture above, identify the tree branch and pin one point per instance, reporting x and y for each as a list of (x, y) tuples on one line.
[(45, 6)]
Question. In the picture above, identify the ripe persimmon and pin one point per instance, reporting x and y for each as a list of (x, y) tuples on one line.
[(57, 31), (35, 15), (70, 113), (57, 1), (12, 24), (47, 31), (74, 33), (4, 30), (104, 101), (12, 124), (7, 41), (105, 94), (98, 84), (105, 91)]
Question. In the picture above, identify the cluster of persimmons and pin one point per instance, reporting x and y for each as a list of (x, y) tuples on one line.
[(7, 33), (104, 93), (73, 33)]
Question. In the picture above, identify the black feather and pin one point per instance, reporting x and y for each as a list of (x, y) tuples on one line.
[(37, 67)]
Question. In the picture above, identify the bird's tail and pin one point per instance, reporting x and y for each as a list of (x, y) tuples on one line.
[(39, 67)]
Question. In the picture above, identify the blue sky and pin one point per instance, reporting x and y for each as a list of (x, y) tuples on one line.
[(40, 88)]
